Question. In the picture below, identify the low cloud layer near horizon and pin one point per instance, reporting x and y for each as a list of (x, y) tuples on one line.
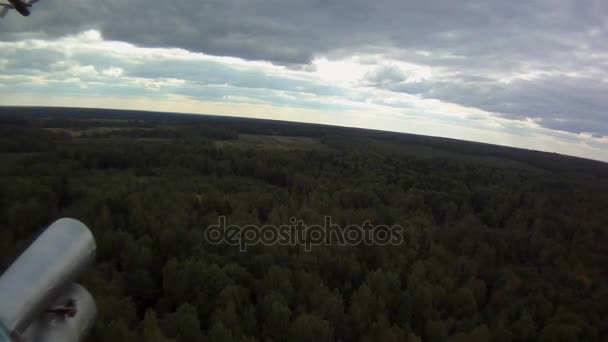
[(529, 74)]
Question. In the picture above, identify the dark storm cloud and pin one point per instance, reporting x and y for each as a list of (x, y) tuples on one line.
[(474, 44), (296, 30)]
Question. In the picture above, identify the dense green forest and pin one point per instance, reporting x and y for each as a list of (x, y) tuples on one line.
[(501, 244)]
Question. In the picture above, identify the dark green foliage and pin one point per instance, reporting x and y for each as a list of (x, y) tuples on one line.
[(500, 244), (310, 328)]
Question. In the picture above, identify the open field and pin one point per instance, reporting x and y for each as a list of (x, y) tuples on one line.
[(274, 142)]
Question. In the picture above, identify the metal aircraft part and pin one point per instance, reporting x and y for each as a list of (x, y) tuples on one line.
[(4, 10), (52, 327), (43, 272), (21, 6)]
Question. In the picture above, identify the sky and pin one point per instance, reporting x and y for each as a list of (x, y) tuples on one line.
[(530, 74)]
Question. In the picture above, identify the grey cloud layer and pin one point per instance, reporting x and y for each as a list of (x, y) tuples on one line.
[(474, 44), (572, 104), (296, 30), (73, 71)]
